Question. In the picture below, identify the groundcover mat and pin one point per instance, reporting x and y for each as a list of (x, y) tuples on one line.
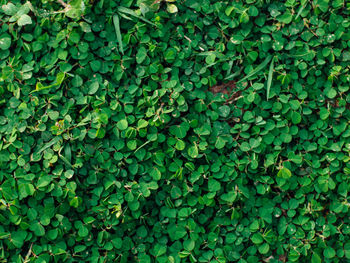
[(174, 131)]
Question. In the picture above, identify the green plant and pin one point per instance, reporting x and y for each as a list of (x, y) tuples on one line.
[(194, 131)]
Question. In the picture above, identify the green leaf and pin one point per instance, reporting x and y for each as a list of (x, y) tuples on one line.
[(44, 181), (18, 237), (229, 197), (5, 42), (141, 55), (295, 158), (224, 111), (180, 131), (25, 190), (155, 173), (347, 250), (284, 173), (264, 248), (220, 143), (74, 202), (10, 9), (251, 97), (159, 250), (210, 59), (213, 185), (93, 87), (296, 117), (171, 8), (245, 147), (75, 9), (142, 124), (177, 231), (332, 93), (180, 145), (315, 258), (37, 228), (257, 238), (193, 151), (286, 18), (329, 252), (24, 20), (122, 124), (170, 54), (324, 113), (189, 244)]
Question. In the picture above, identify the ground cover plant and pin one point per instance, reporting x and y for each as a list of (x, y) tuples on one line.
[(174, 131)]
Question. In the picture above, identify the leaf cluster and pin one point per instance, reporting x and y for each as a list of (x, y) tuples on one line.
[(114, 146)]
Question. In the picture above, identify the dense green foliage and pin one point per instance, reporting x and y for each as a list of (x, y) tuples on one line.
[(163, 131)]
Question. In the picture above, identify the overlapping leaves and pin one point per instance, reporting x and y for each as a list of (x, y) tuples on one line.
[(195, 131)]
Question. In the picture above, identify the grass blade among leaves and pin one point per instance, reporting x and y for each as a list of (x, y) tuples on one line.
[(269, 78), (49, 144), (118, 33), (256, 70), (132, 13), (300, 10)]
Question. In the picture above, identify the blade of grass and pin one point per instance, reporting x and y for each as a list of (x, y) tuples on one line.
[(49, 144), (64, 159), (234, 74), (68, 155), (132, 13), (142, 146), (68, 152), (212, 64), (59, 79), (302, 55), (269, 78), (118, 33), (256, 70), (217, 54), (300, 10), (230, 65), (125, 16)]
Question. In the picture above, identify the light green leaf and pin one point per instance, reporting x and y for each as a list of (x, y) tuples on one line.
[(74, 202), (171, 8), (284, 173), (193, 151), (93, 88), (24, 20), (9, 9), (122, 124)]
